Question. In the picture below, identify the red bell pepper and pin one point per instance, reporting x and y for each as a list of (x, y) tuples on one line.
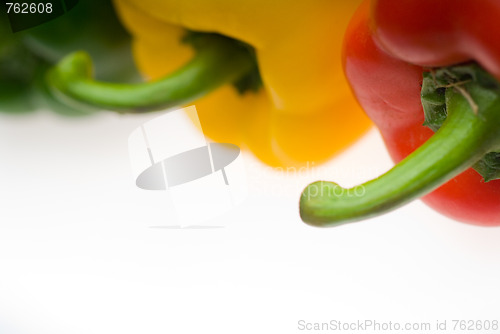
[(418, 66)]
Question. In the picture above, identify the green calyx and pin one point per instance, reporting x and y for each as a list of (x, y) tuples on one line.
[(434, 87), (462, 104), (219, 60), (251, 81)]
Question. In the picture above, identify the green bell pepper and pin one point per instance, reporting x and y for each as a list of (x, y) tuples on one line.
[(26, 56)]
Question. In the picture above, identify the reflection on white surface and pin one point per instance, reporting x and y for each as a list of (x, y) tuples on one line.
[(78, 254)]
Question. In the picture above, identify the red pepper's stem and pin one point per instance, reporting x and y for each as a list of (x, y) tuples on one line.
[(463, 139), (219, 61)]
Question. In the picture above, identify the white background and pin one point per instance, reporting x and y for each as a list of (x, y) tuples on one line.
[(82, 250)]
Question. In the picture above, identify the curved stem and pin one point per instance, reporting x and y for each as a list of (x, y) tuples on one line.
[(462, 140), (219, 61)]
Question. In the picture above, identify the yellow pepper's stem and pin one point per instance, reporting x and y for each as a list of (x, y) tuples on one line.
[(219, 60)]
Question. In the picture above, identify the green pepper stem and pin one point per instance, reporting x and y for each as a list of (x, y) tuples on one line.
[(464, 138), (219, 61)]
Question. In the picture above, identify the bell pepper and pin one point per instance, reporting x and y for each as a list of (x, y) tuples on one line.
[(264, 75), (17, 68), (25, 56), (92, 25), (428, 74)]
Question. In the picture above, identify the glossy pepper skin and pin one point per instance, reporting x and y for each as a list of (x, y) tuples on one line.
[(304, 112), (389, 44)]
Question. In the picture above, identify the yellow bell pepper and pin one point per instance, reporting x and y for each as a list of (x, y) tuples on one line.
[(303, 113)]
